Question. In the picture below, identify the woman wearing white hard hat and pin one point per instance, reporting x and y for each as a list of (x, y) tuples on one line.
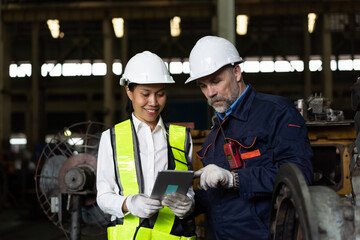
[(132, 153)]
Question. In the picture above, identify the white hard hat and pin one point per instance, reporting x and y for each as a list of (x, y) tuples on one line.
[(209, 54), (146, 68)]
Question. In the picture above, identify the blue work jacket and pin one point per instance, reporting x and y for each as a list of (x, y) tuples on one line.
[(268, 131)]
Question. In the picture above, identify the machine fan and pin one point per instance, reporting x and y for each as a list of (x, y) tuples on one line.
[(65, 180)]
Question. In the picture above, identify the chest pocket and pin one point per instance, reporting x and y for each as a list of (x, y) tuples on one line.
[(251, 149)]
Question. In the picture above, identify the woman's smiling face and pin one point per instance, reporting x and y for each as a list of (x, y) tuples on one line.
[(148, 100)]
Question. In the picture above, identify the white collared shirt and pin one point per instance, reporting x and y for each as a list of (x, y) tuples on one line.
[(154, 157), (153, 151)]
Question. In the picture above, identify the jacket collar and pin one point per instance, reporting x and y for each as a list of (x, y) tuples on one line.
[(242, 109)]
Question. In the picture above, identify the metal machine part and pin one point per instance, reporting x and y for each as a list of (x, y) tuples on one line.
[(292, 212), (317, 108), (311, 212), (332, 140), (65, 179), (333, 145)]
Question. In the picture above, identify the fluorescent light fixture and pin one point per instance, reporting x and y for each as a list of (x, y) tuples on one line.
[(54, 27), (241, 24), (311, 22), (175, 29), (18, 141), (118, 25)]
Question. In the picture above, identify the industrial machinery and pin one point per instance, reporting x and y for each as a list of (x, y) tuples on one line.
[(330, 208), (65, 180), (332, 140)]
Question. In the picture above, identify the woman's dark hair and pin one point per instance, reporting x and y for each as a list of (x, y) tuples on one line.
[(130, 109)]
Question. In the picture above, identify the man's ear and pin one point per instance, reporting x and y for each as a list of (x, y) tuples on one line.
[(129, 93), (237, 72)]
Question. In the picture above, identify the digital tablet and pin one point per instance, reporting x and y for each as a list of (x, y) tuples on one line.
[(169, 181)]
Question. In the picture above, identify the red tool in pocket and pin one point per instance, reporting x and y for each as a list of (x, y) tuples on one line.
[(231, 152)]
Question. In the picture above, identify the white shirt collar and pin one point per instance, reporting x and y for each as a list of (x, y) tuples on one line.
[(138, 123)]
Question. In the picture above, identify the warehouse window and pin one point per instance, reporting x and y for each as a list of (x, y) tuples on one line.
[(283, 66), (71, 69), (186, 67), (251, 65), (178, 66), (297, 65), (267, 66), (21, 70), (99, 69), (315, 65), (333, 65), (357, 64), (51, 69), (117, 68)]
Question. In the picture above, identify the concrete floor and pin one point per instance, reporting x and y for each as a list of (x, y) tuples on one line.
[(31, 224)]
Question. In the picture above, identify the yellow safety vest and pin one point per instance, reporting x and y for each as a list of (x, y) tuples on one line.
[(126, 164)]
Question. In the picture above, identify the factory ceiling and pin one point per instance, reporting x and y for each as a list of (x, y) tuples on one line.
[(29, 10), (277, 29)]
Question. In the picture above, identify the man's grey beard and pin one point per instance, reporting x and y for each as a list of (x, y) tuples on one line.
[(223, 108), (227, 101)]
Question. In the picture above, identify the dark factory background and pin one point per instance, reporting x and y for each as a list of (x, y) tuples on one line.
[(61, 61)]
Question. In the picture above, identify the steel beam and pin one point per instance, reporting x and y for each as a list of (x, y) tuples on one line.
[(82, 11)]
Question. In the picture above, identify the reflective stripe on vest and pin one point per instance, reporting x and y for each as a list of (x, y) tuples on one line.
[(126, 164), (177, 135)]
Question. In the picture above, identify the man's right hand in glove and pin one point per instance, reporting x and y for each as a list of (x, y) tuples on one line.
[(142, 206), (213, 176)]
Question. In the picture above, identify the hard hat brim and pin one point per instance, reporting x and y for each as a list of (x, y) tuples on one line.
[(190, 79), (167, 81)]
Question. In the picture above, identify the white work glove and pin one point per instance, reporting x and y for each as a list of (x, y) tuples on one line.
[(142, 206), (213, 176), (179, 204)]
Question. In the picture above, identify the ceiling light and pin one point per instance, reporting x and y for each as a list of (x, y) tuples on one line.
[(241, 24), (118, 24), (54, 27), (175, 29), (311, 22)]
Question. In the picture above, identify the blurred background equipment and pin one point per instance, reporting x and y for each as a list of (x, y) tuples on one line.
[(317, 108), (330, 208), (333, 142), (65, 179)]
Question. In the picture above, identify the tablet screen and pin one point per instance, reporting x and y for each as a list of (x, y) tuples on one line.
[(170, 181)]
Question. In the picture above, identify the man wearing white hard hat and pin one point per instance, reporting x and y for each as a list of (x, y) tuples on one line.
[(132, 153), (253, 134)]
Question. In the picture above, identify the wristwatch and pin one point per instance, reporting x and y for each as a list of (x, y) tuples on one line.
[(236, 180)]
